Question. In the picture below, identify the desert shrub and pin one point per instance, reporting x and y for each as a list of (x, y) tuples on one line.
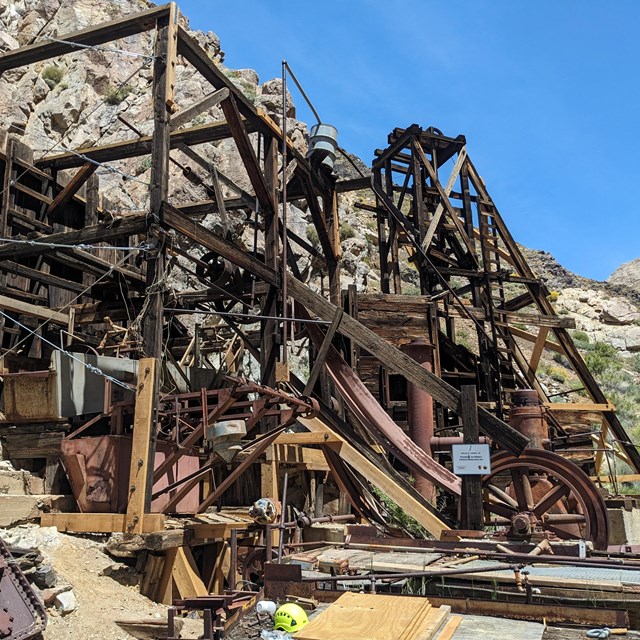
[(115, 95), (312, 236), (557, 373), (601, 357), (398, 517), (346, 231), (52, 75), (580, 336)]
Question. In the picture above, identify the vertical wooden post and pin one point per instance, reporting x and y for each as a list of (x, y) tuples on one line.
[(141, 447), (471, 499), (163, 77), (165, 52)]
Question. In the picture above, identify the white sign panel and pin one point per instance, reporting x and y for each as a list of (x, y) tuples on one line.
[(471, 459)]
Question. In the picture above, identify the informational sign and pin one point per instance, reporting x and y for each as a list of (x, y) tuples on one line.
[(471, 459)]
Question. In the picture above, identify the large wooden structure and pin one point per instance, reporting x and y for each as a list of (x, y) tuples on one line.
[(72, 264)]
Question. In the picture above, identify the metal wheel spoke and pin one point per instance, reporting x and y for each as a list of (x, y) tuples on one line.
[(550, 498), (501, 509), (518, 487), (503, 496), (564, 518)]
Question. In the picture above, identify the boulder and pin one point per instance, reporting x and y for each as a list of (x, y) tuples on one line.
[(619, 311), (66, 602)]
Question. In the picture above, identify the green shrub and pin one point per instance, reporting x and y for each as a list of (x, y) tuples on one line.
[(312, 236), (601, 357), (553, 296), (557, 373), (580, 336), (52, 75), (398, 516), (346, 231), (115, 95)]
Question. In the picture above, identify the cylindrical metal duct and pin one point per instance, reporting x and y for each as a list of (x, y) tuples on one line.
[(420, 412), (529, 417), (323, 144)]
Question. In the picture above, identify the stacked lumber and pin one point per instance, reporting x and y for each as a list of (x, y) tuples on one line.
[(367, 616)]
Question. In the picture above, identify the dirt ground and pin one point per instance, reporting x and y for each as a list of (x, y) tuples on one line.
[(101, 599)]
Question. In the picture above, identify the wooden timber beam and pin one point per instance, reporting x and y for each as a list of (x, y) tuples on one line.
[(198, 58), (140, 146), (354, 184), (42, 277), (186, 115), (84, 260), (98, 522), (200, 234), (85, 172), (377, 477), (105, 32), (399, 362), (248, 155), (35, 311), (444, 199), (141, 449), (530, 337), (122, 228)]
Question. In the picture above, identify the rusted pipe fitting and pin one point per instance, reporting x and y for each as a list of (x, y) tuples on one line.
[(529, 417)]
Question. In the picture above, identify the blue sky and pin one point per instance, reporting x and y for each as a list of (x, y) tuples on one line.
[(547, 94)]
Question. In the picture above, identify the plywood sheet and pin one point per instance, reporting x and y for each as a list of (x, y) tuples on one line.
[(362, 616)]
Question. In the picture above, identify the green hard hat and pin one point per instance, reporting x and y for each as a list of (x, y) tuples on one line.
[(290, 617)]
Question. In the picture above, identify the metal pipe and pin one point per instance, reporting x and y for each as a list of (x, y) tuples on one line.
[(282, 517), (285, 239), (302, 91), (447, 441), (416, 574), (305, 521), (234, 559), (420, 413)]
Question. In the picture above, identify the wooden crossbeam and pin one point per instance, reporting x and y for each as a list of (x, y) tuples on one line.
[(198, 233), (98, 522), (35, 311), (122, 228), (140, 146), (248, 155), (433, 225), (184, 116), (105, 32), (85, 172), (444, 199)]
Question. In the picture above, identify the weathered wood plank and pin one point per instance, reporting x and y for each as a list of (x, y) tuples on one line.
[(122, 228), (189, 113), (105, 32), (141, 446), (33, 310), (97, 522)]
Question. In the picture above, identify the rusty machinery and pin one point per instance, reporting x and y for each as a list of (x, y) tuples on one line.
[(22, 615), (540, 491)]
